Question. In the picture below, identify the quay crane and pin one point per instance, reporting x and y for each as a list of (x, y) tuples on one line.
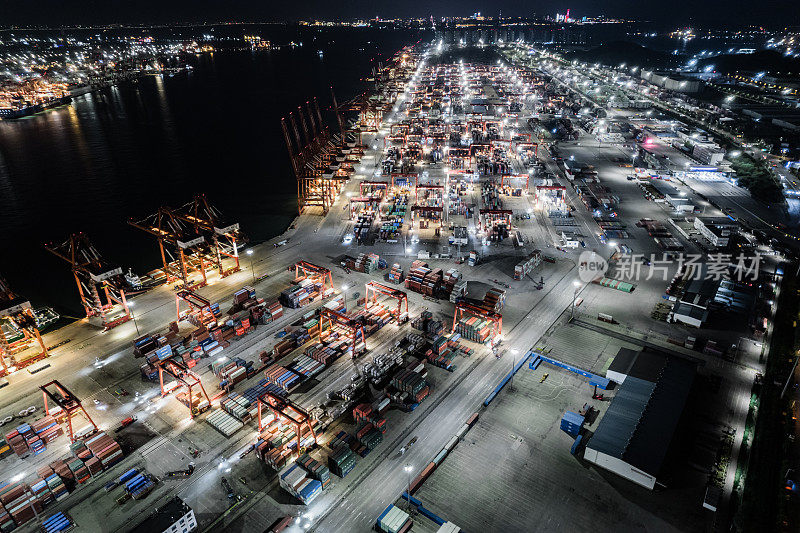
[(225, 236), (18, 322), (177, 237), (319, 158), (101, 284)]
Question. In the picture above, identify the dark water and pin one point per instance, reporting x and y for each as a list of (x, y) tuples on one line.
[(125, 151)]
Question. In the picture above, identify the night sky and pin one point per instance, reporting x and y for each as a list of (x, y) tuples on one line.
[(671, 12)]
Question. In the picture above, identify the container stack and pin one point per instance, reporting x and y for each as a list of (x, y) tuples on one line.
[(440, 354), (42, 492), (459, 290), (369, 436), (54, 482), (422, 279), (277, 442), (284, 346), (426, 324), (396, 274), (79, 470), (17, 442), (472, 260), (394, 520), (139, 486), (223, 422), (412, 383), (367, 263), (294, 480), (244, 298), (494, 300), (301, 294), (525, 267), (341, 460), (105, 449), (450, 279), (18, 504), (474, 329), (307, 366), (315, 469), (571, 423), (282, 377), (55, 523), (239, 407)]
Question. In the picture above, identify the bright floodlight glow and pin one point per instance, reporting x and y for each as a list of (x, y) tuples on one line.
[(249, 252)]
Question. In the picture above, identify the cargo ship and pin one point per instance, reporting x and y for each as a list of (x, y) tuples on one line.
[(46, 317), (9, 113)]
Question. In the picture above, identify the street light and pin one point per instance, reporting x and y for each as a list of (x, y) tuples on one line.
[(130, 309), (575, 284), (344, 290), (252, 269), (408, 469)]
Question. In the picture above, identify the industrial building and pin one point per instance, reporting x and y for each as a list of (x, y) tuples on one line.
[(671, 82), (633, 437), (173, 517), (717, 230)]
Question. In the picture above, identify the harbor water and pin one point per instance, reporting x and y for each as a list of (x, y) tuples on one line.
[(122, 152)]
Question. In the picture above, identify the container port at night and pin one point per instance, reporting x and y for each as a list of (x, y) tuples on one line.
[(483, 318)]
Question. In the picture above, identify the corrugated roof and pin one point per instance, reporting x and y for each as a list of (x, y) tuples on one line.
[(639, 424), (623, 361)]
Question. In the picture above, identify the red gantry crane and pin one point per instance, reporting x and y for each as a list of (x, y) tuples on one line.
[(184, 378), (354, 328), (467, 308), (288, 411), (178, 239), (373, 289), (225, 237), (319, 159), (305, 270), (68, 402), (17, 330), (101, 285)]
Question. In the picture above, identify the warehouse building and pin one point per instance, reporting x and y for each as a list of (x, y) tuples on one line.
[(717, 230), (634, 435), (172, 517)]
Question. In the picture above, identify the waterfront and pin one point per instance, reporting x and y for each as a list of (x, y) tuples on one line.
[(124, 151)]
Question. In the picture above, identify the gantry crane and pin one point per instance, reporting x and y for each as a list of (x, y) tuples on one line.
[(373, 186), (373, 289), (318, 158), (68, 402), (507, 179), (354, 328), (305, 270), (17, 329), (287, 410), (225, 237), (463, 307), (489, 216), (184, 377), (195, 301), (177, 235), (101, 284)]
